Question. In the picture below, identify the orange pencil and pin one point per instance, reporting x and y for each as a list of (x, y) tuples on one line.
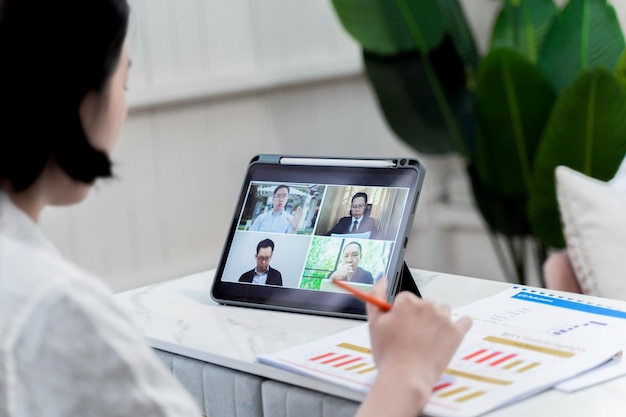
[(383, 305)]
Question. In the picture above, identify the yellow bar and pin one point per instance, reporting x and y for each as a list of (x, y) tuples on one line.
[(364, 371), (360, 365), (476, 377), (452, 392), (512, 364), (529, 346), (356, 348), (470, 396), (527, 367)]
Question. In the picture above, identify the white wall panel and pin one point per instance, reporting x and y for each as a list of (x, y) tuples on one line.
[(137, 167), (177, 154), (330, 34), (191, 49), (180, 168), (140, 74), (229, 33), (212, 84), (189, 41), (158, 28)]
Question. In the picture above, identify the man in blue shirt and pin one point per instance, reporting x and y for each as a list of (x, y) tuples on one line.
[(277, 220)]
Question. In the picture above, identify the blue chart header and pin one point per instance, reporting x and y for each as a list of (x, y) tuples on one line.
[(569, 304)]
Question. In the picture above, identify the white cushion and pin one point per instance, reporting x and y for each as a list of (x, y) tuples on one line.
[(593, 214)]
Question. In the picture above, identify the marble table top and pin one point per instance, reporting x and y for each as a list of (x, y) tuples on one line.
[(179, 316)]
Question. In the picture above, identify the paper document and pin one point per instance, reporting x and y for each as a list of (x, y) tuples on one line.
[(522, 342), (562, 316)]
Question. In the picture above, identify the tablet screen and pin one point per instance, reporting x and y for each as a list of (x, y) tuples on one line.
[(297, 227)]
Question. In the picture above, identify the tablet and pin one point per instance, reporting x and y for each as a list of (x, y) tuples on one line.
[(301, 222)]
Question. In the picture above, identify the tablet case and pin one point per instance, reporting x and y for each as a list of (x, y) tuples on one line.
[(407, 282), (404, 280)]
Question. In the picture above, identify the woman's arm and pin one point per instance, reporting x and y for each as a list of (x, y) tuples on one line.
[(412, 345), (558, 273)]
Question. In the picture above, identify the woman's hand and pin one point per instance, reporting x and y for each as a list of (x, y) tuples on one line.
[(412, 345)]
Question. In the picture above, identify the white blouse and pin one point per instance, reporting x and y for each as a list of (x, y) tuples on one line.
[(66, 349)]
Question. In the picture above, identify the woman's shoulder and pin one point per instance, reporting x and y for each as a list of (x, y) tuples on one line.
[(75, 338), (38, 287), (32, 273)]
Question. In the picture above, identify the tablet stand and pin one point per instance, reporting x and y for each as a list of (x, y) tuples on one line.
[(407, 283)]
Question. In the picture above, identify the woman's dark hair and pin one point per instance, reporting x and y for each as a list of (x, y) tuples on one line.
[(52, 53)]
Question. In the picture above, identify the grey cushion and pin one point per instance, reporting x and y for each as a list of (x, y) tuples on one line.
[(166, 357), (231, 393), (189, 373), (283, 400), (218, 391), (223, 392)]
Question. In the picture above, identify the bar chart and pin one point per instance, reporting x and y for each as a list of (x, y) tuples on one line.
[(350, 362), (520, 343), (345, 358)]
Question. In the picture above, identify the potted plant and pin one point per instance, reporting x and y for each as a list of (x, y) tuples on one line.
[(547, 92)]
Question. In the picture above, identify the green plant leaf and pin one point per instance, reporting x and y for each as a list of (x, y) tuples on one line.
[(460, 32), (620, 69), (513, 102), (586, 132), (503, 214), (524, 26), (586, 34), (433, 115), (389, 27)]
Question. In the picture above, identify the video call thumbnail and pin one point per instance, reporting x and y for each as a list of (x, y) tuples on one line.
[(302, 235)]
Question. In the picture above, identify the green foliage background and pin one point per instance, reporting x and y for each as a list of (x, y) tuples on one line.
[(325, 256), (549, 91)]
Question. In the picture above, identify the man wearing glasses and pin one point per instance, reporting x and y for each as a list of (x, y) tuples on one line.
[(277, 220), (357, 222), (263, 274)]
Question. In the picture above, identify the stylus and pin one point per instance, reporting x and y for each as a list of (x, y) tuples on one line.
[(383, 305), (363, 163)]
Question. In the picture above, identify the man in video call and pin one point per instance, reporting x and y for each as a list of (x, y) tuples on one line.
[(277, 220), (357, 222), (349, 269), (263, 274)]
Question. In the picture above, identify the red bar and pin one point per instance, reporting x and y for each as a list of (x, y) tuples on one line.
[(346, 362), (506, 358), (471, 355), (486, 358), (322, 356), (335, 359), (441, 386)]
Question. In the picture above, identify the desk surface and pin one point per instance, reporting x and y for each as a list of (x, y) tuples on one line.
[(179, 316)]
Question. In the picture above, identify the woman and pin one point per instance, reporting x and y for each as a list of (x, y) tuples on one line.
[(65, 348)]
